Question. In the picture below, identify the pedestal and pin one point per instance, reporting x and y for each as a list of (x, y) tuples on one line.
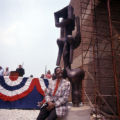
[(78, 113)]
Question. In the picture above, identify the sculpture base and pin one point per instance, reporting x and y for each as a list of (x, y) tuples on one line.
[(78, 113)]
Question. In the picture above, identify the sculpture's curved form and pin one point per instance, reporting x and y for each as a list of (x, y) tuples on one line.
[(76, 76), (67, 43)]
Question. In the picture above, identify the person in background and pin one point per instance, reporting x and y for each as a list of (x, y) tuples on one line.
[(56, 98), (42, 76), (1, 71), (7, 73), (48, 75), (20, 71), (31, 76), (46, 82), (53, 76)]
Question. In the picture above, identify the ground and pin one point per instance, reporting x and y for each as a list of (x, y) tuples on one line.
[(15, 114), (18, 114)]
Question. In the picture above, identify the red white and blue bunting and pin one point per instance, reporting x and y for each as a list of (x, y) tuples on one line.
[(14, 89)]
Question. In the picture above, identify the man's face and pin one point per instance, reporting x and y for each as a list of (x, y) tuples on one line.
[(49, 72), (59, 73), (7, 69), (20, 66)]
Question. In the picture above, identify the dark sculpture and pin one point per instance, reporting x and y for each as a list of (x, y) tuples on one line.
[(67, 43)]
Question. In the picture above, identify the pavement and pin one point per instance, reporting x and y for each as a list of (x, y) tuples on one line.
[(18, 114)]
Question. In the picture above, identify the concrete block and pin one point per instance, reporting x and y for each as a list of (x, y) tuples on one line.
[(78, 113)]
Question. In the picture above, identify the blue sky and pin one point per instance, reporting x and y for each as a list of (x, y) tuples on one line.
[(28, 34)]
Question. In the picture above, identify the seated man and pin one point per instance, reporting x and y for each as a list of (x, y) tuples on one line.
[(56, 98)]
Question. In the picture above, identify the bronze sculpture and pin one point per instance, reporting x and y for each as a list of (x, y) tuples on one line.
[(67, 43)]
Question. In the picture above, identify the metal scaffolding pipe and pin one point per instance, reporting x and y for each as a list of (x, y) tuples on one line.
[(113, 60)]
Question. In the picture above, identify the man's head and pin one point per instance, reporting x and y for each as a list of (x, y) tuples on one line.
[(7, 68), (20, 66), (42, 76), (48, 72), (58, 72)]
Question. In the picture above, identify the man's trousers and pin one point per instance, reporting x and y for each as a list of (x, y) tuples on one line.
[(50, 115)]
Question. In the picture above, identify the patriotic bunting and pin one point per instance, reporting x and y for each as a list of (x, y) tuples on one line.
[(21, 88)]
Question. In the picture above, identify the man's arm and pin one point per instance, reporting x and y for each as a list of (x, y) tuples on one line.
[(48, 97)]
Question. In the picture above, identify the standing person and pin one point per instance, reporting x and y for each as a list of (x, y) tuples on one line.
[(48, 75), (1, 71), (42, 76), (31, 76), (7, 73), (53, 76), (20, 71), (56, 98)]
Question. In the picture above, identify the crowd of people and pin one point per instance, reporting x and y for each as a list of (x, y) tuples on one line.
[(48, 75), (20, 71), (4, 73)]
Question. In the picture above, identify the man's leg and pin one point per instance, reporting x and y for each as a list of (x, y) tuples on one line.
[(52, 115), (43, 115)]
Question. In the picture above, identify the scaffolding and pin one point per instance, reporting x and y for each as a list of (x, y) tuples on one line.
[(100, 51)]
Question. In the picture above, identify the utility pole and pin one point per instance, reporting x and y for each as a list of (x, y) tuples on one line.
[(45, 69)]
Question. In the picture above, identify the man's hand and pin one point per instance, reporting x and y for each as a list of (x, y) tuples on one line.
[(51, 105), (39, 104)]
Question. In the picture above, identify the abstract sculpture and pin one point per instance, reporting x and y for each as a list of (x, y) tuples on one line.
[(68, 23)]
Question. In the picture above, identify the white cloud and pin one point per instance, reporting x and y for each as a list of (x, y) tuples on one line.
[(8, 36), (15, 34)]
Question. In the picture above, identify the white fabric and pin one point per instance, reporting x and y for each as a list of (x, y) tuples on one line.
[(15, 92), (17, 82), (41, 81), (12, 83)]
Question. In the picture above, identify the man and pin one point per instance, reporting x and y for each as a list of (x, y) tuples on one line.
[(56, 97), (20, 71)]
